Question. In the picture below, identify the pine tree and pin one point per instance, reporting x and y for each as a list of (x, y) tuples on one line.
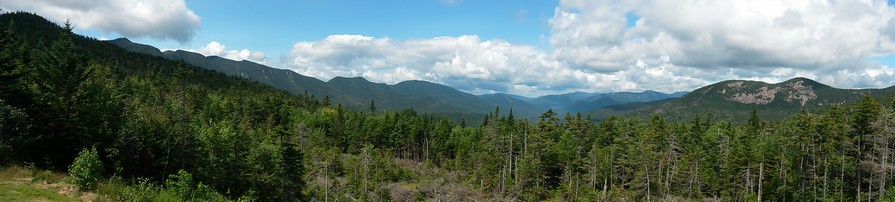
[(14, 121), (60, 71), (865, 114), (11, 66), (293, 171)]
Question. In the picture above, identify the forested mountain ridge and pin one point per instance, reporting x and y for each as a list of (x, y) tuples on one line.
[(355, 93), (285, 80), (608, 99), (176, 132), (735, 99), (521, 106), (422, 96), (578, 101)]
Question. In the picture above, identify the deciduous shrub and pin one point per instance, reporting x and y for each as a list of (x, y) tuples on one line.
[(86, 170)]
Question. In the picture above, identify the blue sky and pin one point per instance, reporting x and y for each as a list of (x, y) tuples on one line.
[(272, 26), (528, 47)]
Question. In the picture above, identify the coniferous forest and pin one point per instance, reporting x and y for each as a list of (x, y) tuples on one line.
[(79, 105)]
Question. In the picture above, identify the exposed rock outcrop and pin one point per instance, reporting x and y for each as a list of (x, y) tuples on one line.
[(792, 91)]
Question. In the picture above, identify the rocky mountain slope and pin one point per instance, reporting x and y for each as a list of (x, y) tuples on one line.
[(735, 99)]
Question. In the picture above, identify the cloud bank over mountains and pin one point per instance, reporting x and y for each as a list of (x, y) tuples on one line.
[(672, 45), (620, 45)]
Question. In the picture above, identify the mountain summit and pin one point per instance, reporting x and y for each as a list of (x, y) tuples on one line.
[(735, 99), (794, 91)]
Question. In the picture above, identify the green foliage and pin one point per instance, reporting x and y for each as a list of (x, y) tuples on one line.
[(146, 191), (13, 122), (293, 172), (181, 183), (180, 187), (889, 196), (867, 112), (183, 186), (183, 133), (86, 170)]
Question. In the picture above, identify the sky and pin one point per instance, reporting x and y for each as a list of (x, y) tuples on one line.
[(525, 47)]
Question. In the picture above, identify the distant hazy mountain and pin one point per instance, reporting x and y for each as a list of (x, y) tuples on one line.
[(578, 101), (519, 104), (436, 97), (602, 100), (735, 99), (421, 95)]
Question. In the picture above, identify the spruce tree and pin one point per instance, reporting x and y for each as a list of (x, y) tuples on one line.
[(293, 171), (59, 72), (865, 114)]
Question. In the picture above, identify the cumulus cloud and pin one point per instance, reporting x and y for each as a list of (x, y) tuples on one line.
[(217, 49), (466, 63), (761, 37), (159, 19), (673, 45)]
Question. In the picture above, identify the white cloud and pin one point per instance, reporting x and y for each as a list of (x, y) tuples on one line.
[(159, 19), (674, 45), (470, 64), (217, 49), (766, 40)]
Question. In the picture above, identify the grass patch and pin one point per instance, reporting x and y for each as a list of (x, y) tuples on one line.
[(29, 192), (14, 172), (24, 184)]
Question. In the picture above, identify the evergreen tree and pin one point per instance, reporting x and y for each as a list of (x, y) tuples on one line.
[(13, 132), (12, 64), (293, 172), (60, 71), (865, 114)]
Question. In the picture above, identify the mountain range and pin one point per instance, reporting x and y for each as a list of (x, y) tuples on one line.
[(422, 96), (730, 100)]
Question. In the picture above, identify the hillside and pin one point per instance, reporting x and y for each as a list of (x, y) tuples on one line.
[(520, 105), (422, 96), (355, 93), (735, 99), (607, 99), (147, 116), (580, 101), (286, 80)]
